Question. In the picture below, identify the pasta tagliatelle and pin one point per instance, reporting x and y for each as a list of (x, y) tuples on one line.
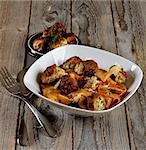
[(83, 84)]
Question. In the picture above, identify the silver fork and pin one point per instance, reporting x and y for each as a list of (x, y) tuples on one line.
[(13, 88)]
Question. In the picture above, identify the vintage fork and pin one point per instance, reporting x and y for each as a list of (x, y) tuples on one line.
[(13, 88)]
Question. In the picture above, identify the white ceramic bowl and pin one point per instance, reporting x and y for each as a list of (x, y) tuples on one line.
[(103, 58)]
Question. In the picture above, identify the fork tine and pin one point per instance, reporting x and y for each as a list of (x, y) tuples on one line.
[(3, 80), (12, 80), (7, 76)]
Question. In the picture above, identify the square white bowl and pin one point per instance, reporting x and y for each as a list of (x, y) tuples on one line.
[(103, 58)]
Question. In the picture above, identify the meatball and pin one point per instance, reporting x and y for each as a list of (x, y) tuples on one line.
[(58, 43), (99, 102), (70, 63), (52, 73), (96, 102), (79, 78), (57, 29), (90, 67), (82, 81), (79, 68), (68, 84), (38, 44), (118, 73), (71, 38)]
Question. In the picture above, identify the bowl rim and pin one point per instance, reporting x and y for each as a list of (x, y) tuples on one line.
[(84, 110)]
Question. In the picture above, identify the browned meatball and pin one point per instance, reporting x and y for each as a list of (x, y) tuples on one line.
[(119, 74), (79, 78), (82, 81), (90, 67), (71, 62), (57, 29), (68, 84), (71, 38), (79, 68), (96, 102), (38, 44), (52, 73), (58, 43)]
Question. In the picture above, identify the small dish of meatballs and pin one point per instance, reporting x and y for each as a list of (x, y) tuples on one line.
[(52, 37), (83, 80)]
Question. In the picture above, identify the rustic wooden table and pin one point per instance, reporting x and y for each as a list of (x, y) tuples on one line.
[(115, 26)]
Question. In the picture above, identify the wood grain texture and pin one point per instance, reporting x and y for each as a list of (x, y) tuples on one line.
[(115, 26), (131, 44), (47, 13), (13, 30), (93, 20)]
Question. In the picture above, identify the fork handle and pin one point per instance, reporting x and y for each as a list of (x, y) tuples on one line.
[(52, 132)]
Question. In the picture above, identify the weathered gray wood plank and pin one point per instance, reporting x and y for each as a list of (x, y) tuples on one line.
[(131, 44), (116, 26), (93, 21), (39, 20), (13, 30)]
